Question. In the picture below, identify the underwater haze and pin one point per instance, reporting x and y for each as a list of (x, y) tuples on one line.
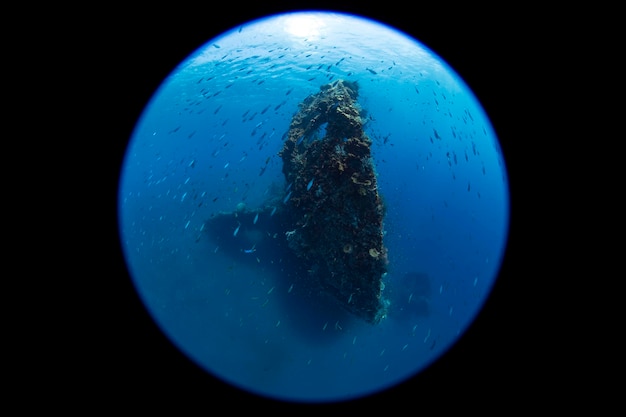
[(208, 142)]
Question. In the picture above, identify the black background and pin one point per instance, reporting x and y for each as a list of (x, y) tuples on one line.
[(130, 54)]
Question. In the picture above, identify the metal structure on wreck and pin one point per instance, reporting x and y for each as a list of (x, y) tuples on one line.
[(332, 195)]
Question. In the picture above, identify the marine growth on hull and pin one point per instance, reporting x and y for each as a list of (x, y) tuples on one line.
[(333, 194), (330, 215)]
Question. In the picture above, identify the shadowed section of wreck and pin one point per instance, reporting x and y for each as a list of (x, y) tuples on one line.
[(331, 214)]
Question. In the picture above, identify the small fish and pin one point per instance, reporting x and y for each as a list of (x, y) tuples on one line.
[(309, 185), (251, 250), (187, 225), (273, 211), (183, 197), (270, 291), (290, 288), (255, 218), (371, 70), (287, 197), (325, 325), (236, 230), (410, 297)]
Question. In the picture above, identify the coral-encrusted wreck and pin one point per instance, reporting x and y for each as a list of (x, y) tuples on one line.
[(329, 218), (334, 198)]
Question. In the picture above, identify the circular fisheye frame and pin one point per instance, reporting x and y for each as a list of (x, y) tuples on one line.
[(313, 207)]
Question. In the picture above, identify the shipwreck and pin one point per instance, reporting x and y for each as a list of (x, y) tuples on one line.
[(329, 216)]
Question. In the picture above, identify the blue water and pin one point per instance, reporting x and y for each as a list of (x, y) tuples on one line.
[(208, 141)]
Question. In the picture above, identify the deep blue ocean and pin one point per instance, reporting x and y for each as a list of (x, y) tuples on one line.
[(208, 141)]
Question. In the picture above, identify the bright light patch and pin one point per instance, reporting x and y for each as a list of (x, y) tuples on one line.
[(305, 26)]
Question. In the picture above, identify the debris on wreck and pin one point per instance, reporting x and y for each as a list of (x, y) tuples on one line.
[(330, 214), (334, 201)]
